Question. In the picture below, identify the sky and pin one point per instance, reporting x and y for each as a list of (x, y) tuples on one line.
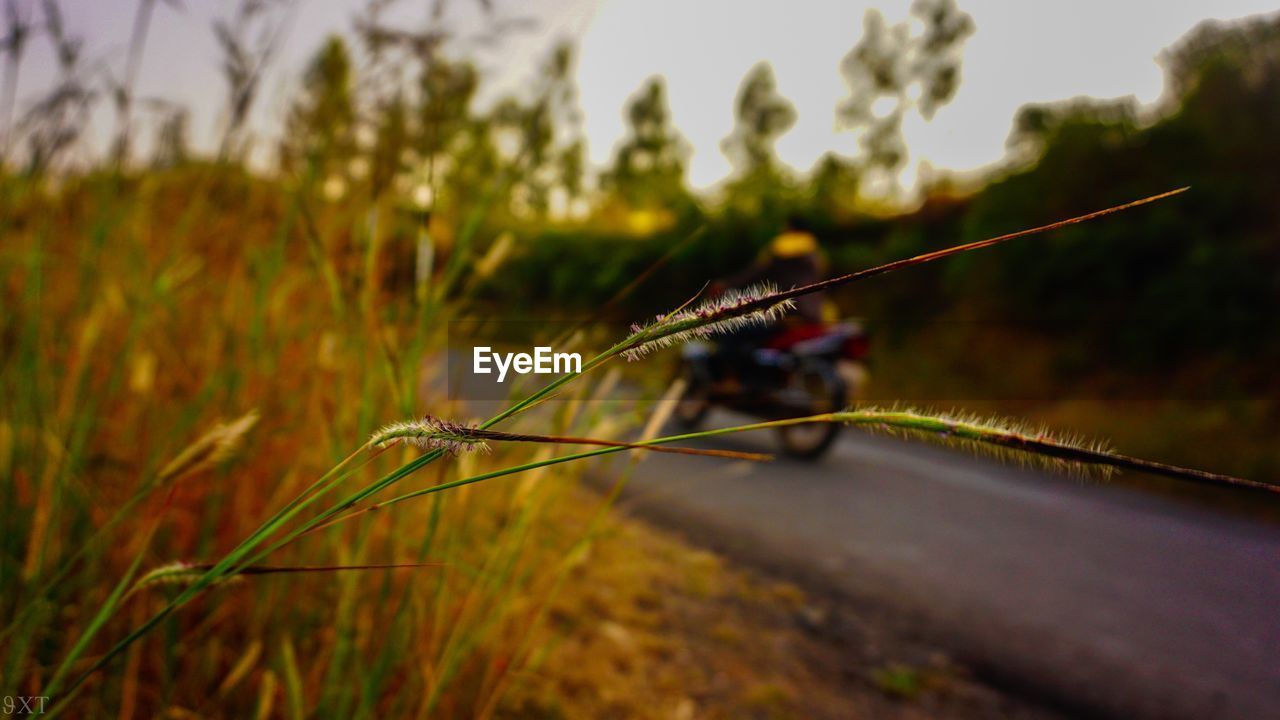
[(1023, 51)]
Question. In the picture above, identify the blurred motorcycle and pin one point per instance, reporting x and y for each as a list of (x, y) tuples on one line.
[(803, 369)]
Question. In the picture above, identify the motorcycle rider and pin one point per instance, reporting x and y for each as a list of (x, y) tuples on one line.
[(791, 259)]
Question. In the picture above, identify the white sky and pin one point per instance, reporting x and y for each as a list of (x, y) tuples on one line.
[(1023, 51)]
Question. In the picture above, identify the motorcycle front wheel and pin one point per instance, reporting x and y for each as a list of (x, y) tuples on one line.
[(695, 400)]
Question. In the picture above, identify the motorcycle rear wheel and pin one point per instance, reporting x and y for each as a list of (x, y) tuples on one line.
[(811, 440)]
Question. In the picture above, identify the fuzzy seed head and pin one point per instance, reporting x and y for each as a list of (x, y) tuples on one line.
[(430, 433), (177, 574), (213, 447), (999, 438), (710, 317)]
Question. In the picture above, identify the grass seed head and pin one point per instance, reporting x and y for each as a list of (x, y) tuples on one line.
[(213, 447), (430, 433), (720, 314), (999, 438), (175, 574)]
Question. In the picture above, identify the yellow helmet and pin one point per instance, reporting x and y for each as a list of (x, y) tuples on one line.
[(793, 243)]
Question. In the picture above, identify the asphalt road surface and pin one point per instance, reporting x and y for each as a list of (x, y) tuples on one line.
[(1105, 600)]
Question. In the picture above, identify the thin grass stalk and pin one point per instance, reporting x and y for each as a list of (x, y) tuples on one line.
[(760, 303), (943, 427), (432, 433), (523, 650), (947, 428), (314, 492), (124, 108), (112, 602), (500, 586), (315, 249), (955, 250), (20, 32)]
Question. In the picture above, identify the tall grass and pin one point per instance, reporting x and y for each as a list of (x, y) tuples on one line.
[(136, 333)]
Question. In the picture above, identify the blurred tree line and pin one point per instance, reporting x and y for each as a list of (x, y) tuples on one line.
[(1183, 281), (644, 211), (385, 135), (1197, 277)]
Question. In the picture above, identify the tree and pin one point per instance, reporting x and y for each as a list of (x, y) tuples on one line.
[(648, 169), (545, 154), (762, 115), (892, 72), (1249, 50), (445, 92), (391, 137), (1096, 123), (321, 126), (445, 129), (833, 187), (1190, 278)]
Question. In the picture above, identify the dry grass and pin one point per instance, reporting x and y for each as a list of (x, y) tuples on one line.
[(137, 318), (653, 629)]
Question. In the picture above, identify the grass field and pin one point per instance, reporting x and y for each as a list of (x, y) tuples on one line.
[(141, 316)]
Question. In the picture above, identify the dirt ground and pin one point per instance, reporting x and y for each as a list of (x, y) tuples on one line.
[(651, 627)]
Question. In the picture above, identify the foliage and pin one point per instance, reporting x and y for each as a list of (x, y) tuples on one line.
[(544, 159), (761, 116), (648, 171), (891, 66), (322, 124), (1190, 279), (135, 334)]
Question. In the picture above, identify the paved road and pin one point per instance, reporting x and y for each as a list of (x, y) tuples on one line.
[(1107, 600)]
